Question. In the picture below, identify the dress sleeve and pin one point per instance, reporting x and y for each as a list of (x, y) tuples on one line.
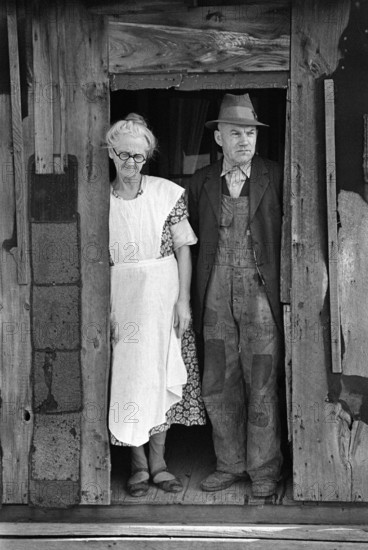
[(181, 231)]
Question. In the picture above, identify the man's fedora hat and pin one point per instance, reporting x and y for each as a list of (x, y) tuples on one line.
[(236, 109)]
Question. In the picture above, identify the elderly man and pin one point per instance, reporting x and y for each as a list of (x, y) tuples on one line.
[(235, 210)]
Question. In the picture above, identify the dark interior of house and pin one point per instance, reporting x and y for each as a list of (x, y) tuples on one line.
[(184, 145)]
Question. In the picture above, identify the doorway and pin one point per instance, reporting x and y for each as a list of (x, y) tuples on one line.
[(177, 119)]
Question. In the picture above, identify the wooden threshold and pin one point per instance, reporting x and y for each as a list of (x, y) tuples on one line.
[(122, 518), (355, 533), (132, 543)]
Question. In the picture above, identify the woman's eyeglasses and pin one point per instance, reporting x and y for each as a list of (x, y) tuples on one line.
[(125, 156)]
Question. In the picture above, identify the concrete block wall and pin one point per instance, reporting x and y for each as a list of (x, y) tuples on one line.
[(56, 367)]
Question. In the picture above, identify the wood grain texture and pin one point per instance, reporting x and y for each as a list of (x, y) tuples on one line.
[(143, 6), (358, 458), (353, 281), (88, 115), (16, 421), (44, 99), (142, 543), (332, 225), (21, 191), (288, 371), (201, 81), (332, 514), (138, 48), (56, 31), (15, 430), (251, 10), (267, 19), (285, 276), (321, 475), (356, 533)]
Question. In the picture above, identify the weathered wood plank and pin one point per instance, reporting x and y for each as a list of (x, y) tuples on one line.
[(365, 156), (285, 276), (16, 401), (332, 225), (356, 533), (353, 281), (201, 81), (261, 20), (143, 6), (15, 431), (175, 544), (138, 48), (43, 101), (331, 514), (88, 116), (319, 425), (21, 194), (57, 57), (288, 373), (358, 458)]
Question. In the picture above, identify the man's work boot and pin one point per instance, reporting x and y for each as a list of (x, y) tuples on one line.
[(217, 481)]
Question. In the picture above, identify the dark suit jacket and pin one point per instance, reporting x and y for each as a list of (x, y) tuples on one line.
[(265, 198)]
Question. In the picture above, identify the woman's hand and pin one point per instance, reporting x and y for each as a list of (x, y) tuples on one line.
[(181, 316)]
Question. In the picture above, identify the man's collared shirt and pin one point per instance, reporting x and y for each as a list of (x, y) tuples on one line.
[(235, 177)]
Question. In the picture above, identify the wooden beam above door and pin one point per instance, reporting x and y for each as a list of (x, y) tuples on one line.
[(239, 38), (199, 81)]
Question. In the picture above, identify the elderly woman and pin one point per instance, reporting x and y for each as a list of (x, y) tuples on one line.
[(155, 378)]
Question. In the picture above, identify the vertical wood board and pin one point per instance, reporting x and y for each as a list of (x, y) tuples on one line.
[(45, 94), (56, 33), (88, 120), (288, 373), (358, 458), (21, 195), (285, 278), (332, 224), (16, 421), (319, 454), (353, 282)]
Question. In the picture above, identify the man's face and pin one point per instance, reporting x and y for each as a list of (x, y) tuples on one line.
[(238, 142)]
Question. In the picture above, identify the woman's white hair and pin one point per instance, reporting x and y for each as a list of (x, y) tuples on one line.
[(134, 125)]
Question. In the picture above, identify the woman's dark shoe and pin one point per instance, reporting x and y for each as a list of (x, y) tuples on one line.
[(167, 482), (138, 485)]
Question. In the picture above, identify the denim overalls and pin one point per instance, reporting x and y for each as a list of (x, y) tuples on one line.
[(242, 353)]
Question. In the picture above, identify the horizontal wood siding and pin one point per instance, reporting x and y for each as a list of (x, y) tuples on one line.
[(199, 81)]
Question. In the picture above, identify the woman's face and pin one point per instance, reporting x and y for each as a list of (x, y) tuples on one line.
[(134, 146)]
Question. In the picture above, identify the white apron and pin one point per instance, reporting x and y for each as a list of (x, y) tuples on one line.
[(148, 371)]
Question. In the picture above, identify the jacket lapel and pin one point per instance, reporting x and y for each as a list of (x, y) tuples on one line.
[(212, 186), (259, 180)]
